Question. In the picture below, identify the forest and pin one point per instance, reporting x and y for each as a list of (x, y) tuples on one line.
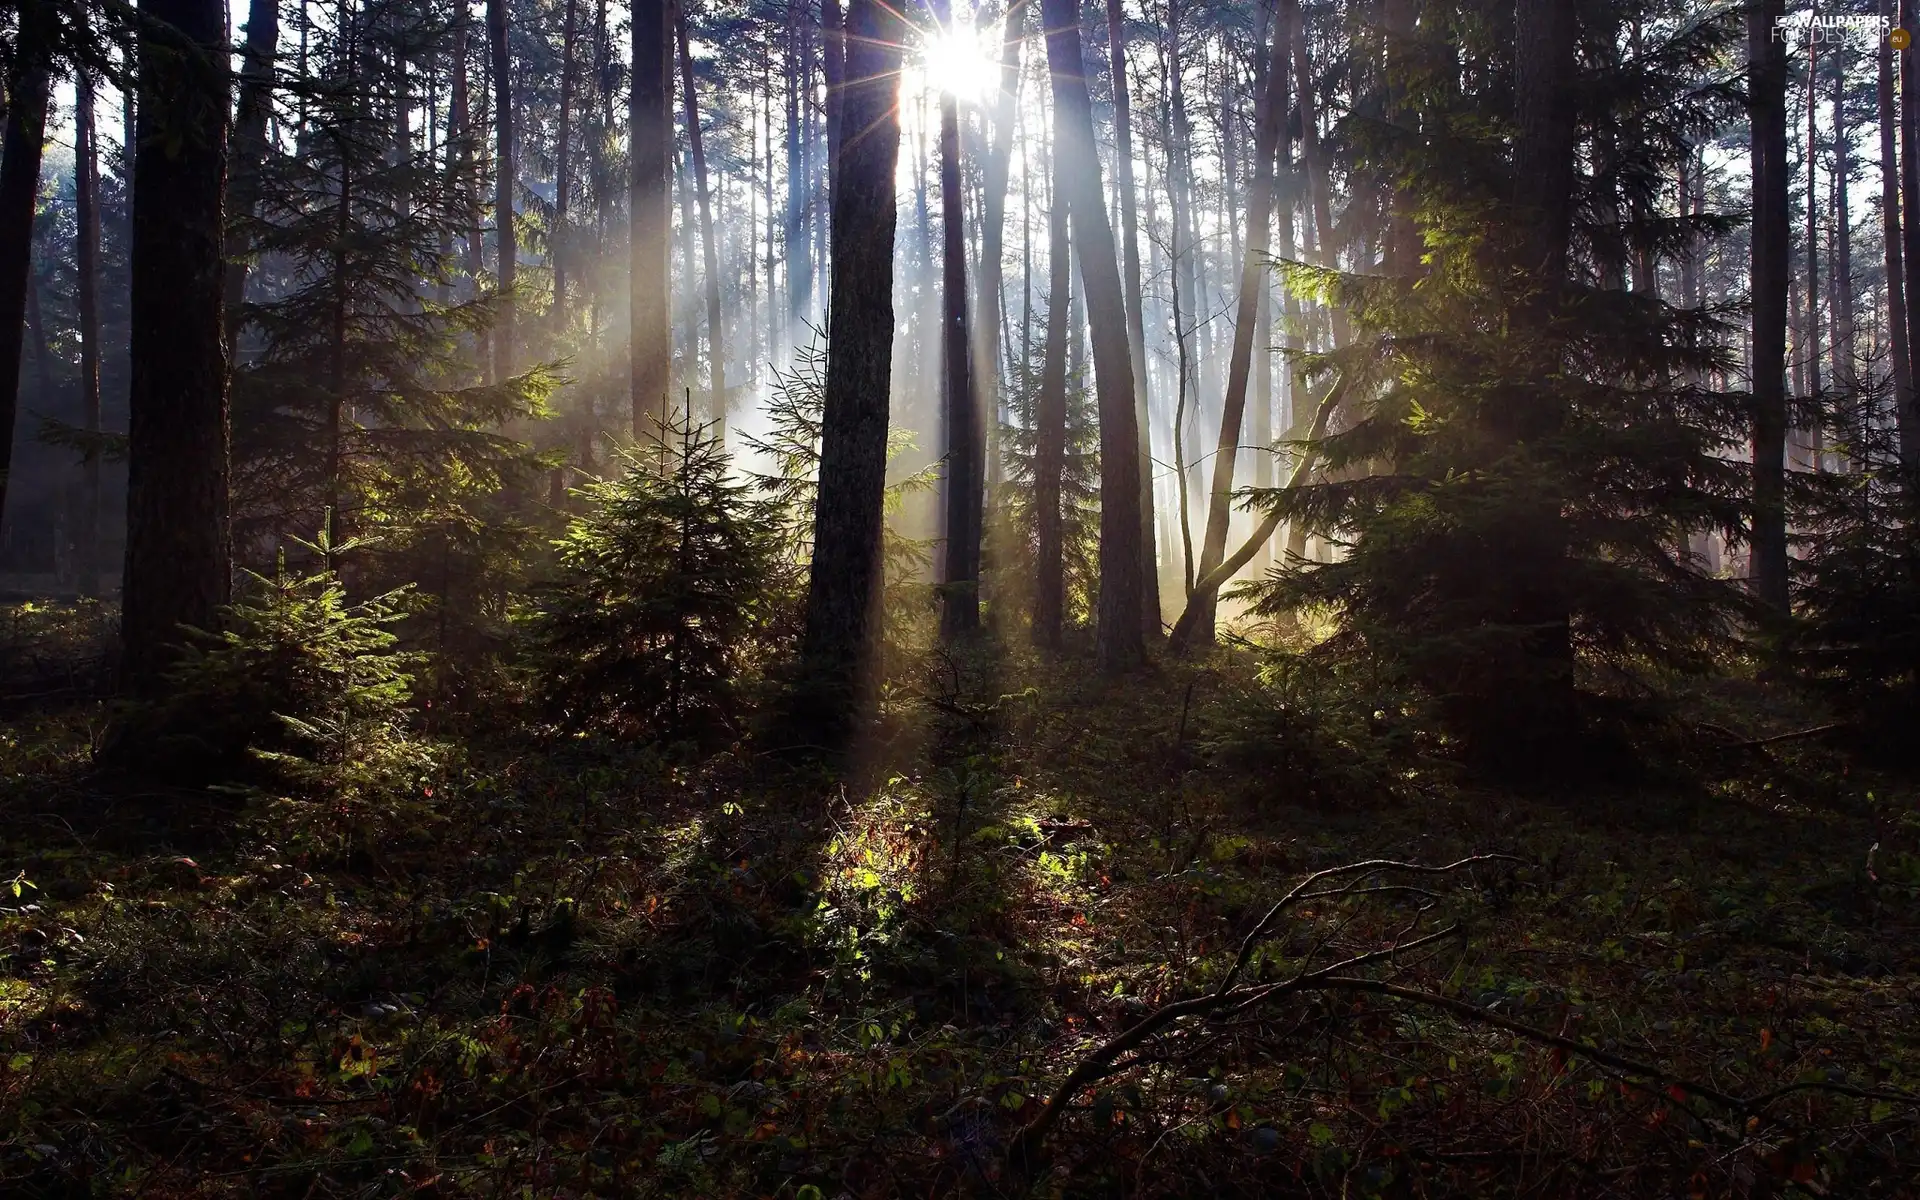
[(826, 600)]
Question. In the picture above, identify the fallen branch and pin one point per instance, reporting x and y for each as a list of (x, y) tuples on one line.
[(1228, 998), (1794, 736)]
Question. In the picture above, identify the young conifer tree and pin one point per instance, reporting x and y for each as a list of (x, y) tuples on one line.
[(1527, 447)]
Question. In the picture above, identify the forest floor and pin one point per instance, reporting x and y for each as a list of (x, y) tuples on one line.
[(563, 968)]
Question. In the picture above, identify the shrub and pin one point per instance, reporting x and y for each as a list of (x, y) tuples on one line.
[(298, 687), (665, 592)]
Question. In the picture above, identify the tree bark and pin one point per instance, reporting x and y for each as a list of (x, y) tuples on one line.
[(798, 232), (505, 180), (560, 239), (987, 358), (249, 150), (1136, 309), (847, 576), (86, 191), (1050, 417), (1906, 410), (833, 65), (716, 340), (650, 118), (1270, 117), (1845, 376), (1910, 192), (1767, 89), (1119, 645), (463, 167), (1813, 239), (966, 459), (28, 85), (177, 541)]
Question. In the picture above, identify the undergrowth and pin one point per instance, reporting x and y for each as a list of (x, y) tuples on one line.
[(575, 966)]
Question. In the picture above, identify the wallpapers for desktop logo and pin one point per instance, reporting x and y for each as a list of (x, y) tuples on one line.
[(1833, 29)]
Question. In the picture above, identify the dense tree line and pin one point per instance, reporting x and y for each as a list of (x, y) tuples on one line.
[(1534, 343)]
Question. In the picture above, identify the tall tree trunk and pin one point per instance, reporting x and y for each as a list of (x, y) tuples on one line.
[(505, 180), (798, 232), (1050, 416), (1910, 193), (249, 149), (28, 83), (650, 117), (463, 166), (177, 441), (966, 459), (1813, 239), (987, 357), (86, 192), (1313, 158), (716, 342), (1767, 89), (1906, 406), (834, 66), (1253, 281), (689, 282), (1119, 645), (1845, 376), (1136, 308), (561, 239), (845, 583), (337, 344), (1187, 266)]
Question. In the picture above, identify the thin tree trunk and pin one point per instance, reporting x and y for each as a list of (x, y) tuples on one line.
[(177, 548), (86, 191), (650, 118), (716, 342), (335, 517), (966, 464), (1845, 377), (1767, 88), (987, 347), (847, 577), (834, 67), (1813, 241), (1050, 417), (1253, 281), (798, 235), (463, 166), (560, 240), (1906, 408), (505, 181), (249, 149), (1910, 190), (1136, 308), (1181, 389), (28, 85), (1319, 185), (1119, 645)]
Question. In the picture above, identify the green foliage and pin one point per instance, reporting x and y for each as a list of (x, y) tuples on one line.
[(665, 592), (792, 448), (1856, 639), (302, 688), (1013, 523), (1514, 476), (354, 389)]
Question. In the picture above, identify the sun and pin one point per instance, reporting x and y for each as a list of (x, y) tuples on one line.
[(960, 62)]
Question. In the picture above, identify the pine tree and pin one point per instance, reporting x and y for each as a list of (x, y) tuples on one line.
[(354, 403), (663, 586), (1528, 449)]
